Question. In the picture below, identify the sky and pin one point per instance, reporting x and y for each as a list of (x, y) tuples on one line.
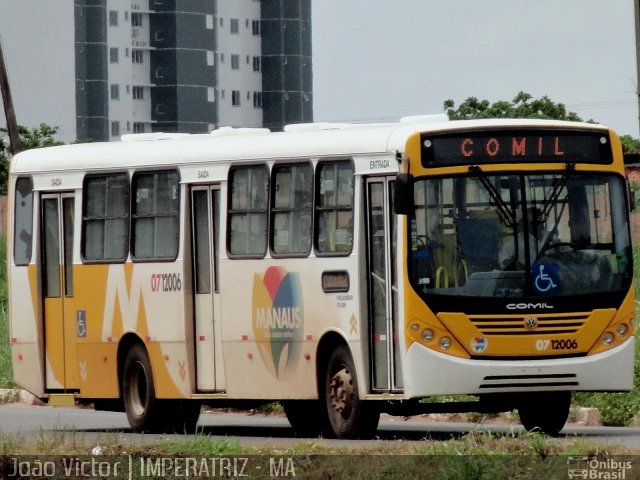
[(379, 60)]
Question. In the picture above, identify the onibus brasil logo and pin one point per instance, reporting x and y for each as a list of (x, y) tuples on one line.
[(278, 319)]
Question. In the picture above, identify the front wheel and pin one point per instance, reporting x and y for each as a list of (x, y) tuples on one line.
[(545, 411), (347, 415)]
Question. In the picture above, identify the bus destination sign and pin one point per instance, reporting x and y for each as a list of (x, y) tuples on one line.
[(520, 146)]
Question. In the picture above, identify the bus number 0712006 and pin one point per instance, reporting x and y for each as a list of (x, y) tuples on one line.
[(563, 344)]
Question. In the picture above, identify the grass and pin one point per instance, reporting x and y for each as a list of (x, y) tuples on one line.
[(474, 456), (619, 408), (6, 370)]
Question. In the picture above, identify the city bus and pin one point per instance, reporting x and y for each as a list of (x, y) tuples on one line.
[(343, 270)]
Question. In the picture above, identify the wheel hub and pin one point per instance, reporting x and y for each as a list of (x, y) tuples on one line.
[(341, 392)]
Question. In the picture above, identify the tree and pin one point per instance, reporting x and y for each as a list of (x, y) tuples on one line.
[(40, 136), (523, 105), (630, 144)]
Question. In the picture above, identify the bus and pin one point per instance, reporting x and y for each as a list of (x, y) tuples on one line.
[(343, 270)]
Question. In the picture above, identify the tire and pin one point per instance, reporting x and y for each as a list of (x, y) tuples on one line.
[(305, 417), (546, 412), (347, 416), (138, 391)]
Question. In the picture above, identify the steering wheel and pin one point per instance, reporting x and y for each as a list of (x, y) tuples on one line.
[(553, 246)]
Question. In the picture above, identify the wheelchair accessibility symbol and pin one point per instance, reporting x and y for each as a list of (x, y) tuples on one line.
[(545, 277)]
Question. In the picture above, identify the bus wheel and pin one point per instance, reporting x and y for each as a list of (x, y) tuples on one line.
[(304, 416), (347, 415), (138, 391), (546, 412)]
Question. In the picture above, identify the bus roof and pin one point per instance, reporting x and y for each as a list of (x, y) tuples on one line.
[(228, 144)]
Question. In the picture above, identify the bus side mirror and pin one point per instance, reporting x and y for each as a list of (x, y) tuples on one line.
[(403, 194)]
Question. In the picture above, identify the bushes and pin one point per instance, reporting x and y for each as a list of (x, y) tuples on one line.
[(6, 370), (615, 408), (619, 408)]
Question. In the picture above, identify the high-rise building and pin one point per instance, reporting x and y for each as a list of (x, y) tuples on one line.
[(99, 69)]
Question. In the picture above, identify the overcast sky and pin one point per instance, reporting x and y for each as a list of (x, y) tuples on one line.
[(382, 59)]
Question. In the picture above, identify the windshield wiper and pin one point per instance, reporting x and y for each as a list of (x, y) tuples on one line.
[(507, 216), (558, 186), (549, 204)]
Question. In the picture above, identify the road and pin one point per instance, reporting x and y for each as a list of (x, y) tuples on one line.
[(89, 427)]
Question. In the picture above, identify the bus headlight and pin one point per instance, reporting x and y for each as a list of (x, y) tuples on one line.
[(622, 329), (427, 335), (445, 343), (608, 338), (414, 327)]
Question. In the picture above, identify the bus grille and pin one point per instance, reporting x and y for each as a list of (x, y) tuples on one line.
[(557, 380), (529, 325)]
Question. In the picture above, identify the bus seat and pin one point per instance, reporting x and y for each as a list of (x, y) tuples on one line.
[(478, 239)]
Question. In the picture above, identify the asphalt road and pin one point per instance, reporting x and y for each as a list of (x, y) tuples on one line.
[(89, 427)]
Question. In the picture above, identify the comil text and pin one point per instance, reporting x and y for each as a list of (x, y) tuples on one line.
[(522, 146)]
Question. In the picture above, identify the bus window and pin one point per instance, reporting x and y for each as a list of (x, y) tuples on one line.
[(23, 224), (507, 236), (154, 227), (334, 207), (248, 212), (105, 220), (292, 209)]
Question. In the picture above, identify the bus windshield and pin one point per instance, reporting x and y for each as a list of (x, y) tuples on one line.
[(520, 235)]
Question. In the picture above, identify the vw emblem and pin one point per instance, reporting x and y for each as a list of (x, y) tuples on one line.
[(530, 323)]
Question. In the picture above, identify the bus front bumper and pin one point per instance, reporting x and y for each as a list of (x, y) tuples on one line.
[(428, 372)]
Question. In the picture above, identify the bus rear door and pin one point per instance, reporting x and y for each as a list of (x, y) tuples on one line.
[(383, 285), (60, 333), (205, 228)]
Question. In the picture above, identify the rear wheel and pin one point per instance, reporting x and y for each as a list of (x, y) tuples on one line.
[(138, 391), (546, 411), (347, 415), (144, 411)]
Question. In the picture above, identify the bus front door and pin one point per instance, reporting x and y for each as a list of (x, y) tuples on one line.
[(205, 228), (382, 286), (60, 333)]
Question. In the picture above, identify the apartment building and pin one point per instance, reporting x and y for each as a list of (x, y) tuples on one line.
[(158, 65)]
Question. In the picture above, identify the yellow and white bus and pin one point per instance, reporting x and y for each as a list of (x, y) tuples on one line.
[(344, 270)]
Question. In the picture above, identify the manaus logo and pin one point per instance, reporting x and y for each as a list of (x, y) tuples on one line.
[(278, 319)]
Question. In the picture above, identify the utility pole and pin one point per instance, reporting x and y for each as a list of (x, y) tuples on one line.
[(10, 114)]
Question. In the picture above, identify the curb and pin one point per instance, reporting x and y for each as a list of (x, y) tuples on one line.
[(578, 416)]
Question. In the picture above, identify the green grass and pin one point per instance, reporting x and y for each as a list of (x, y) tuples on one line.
[(619, 408), (6, 370), (474, 456)]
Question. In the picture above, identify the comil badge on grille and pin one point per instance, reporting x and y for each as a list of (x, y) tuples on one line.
[(530, 323)]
